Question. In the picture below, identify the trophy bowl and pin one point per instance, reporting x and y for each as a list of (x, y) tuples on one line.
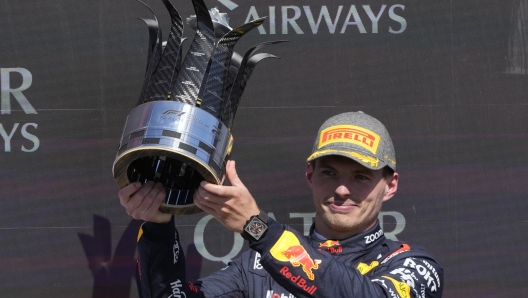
[(176, 144)]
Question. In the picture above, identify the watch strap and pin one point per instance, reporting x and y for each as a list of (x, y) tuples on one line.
[(264, 216)]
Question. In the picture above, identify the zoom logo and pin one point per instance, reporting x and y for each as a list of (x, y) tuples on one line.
[(373, 237)]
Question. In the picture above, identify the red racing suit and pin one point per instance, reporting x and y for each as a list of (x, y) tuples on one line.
[(286, 264)]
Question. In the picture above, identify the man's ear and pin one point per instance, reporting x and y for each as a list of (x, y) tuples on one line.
[(309, 174), (391, 187)]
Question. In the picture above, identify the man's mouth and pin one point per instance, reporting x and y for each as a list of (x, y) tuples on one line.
[(341, 207)]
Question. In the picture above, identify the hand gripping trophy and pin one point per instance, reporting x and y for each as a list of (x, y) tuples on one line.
[(180, 131)]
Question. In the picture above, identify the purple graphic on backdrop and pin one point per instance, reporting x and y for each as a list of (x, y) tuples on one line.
[(112, 272)]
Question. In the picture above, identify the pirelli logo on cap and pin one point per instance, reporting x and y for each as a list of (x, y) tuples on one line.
[(350, 134)]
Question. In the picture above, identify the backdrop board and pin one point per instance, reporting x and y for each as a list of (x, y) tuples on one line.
[(449, 79)]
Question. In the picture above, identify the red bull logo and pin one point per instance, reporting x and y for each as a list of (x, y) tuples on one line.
[(298, 280), (329, 246), (289, 249), (298, 256), (329, 243)]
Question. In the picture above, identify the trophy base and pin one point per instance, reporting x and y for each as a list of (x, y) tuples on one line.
[(175, 144), (177, 210)]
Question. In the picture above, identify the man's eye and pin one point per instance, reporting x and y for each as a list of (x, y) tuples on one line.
[(327, 173), (362, 177)]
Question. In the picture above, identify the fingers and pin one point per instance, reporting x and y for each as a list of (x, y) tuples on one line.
[(144, 203), (207, 201), (218, 190), (232, 175), (202, 204), (226, 191), (137, 198), (231, 205), (127, 191)]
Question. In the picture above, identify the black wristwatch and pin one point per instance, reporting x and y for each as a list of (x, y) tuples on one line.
[(256, 227)]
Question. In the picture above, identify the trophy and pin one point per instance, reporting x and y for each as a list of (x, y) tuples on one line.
[(179, 133)]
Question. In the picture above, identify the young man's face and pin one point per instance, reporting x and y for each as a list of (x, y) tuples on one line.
[(347, 195)]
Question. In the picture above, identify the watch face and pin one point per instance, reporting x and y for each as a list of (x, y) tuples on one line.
[(256, 228)]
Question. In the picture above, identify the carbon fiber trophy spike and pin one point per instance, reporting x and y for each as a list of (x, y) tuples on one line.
[(167, 137), (239, 84), (161, 81), (178, 61), (220, 22), (188, 82), (218, 72), (153, 54)]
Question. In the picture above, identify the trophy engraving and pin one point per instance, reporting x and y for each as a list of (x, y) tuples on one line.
[(180, 131)]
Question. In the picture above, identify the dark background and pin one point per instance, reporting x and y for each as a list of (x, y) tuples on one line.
[(451, 89)]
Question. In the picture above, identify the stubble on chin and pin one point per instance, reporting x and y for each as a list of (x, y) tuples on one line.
[(340, 222)]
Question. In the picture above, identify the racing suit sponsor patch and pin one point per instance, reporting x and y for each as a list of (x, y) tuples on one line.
[(140, 232), (176, 287), (402, 288), (271, 294), (424, 272), (331, 246), (406, 275), (372, 237), (364, 268), (256, 264), (382, 282), (329, 243), (433, 270), (403, 248), (175, 249), (192, 287), (298, 280), (289, 249)]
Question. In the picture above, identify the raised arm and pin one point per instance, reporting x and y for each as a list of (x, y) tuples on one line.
[(304, 270), (161, 268)]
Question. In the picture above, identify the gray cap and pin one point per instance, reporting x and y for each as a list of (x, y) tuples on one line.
[(358, 136)]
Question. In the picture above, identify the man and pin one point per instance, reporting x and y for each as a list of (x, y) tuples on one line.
[(351, 172)]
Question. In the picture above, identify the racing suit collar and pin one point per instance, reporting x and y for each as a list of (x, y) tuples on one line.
[(359, 242)]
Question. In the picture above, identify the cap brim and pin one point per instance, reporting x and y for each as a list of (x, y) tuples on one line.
[(362, 158)]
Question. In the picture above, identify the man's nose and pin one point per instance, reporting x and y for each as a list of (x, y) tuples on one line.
[(342, 191)]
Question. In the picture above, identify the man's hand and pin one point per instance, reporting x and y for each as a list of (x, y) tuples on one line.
[(231, 205), (143, 201)]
